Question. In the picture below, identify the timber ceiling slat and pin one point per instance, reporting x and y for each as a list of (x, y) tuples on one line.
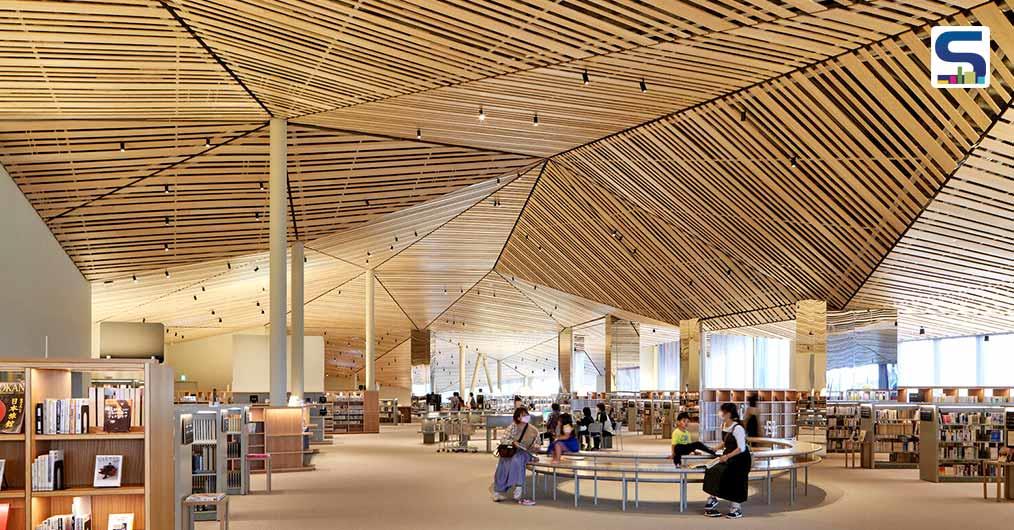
[(951, 273), (801, 199)]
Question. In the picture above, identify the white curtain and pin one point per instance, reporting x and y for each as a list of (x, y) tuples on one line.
[(961, 361), (669, 366), (741, 361), (628, 379)]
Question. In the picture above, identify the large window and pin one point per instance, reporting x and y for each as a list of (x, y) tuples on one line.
[(962, 361), (739, 361), (668, 366), (854, 377)]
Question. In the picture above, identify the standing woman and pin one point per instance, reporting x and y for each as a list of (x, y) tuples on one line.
[(733, 485), (510, 470)]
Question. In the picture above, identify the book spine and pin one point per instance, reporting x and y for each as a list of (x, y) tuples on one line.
[(39, 417)]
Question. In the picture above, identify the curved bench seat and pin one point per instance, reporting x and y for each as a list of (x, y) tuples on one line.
[(772, 457)]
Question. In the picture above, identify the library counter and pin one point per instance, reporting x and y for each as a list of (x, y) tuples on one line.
[(771, 457)]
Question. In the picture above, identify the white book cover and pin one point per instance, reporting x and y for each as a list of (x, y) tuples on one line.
[(121, 521), (108, 471)]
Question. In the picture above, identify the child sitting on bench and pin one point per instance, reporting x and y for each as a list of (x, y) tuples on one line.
[(681, 444)]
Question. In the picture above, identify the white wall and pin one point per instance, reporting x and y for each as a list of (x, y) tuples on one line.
[(41, 291), (251, 367), (207, 361)]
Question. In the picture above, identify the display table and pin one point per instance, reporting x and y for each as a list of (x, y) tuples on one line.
[(219, 501)]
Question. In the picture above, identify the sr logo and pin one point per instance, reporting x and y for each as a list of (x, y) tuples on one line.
[(959, 56)]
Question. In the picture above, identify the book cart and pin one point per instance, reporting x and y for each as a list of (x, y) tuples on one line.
[(146, 474)]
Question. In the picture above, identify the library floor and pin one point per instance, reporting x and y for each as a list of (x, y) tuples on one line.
[(392, 481)]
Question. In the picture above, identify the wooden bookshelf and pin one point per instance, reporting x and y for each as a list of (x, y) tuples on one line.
[(777, 411), (958, 440), (969, 395), (280, 432), (147, 476)]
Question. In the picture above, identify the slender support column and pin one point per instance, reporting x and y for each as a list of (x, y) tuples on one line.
[(608, 370), (370, 353), (461, 370), (298, 331), (485, 370), (691, 355), (499, 376), (807, 371), (475, 373), (564, 359), (278, 235)]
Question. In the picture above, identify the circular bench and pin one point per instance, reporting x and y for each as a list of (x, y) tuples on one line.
[(772, 457)]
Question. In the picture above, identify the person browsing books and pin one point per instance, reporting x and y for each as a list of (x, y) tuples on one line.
[(681, 443), (729, 479)]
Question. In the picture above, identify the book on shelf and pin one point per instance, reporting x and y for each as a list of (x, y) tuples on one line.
[(47, 471), (99, 396), (67, 522), (12, 407), (3, 476), (63, 416), (120, 521), (108, 471), (116, 416)]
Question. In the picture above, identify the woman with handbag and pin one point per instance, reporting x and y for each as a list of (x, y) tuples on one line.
[(513, 455), (729, 479)]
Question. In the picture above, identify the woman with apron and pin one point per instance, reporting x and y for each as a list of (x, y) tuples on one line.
[(735, 467)]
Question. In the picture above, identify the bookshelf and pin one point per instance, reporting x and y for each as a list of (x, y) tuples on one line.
[(355, 412), (235, 428), (956, 395), (280, 432), (894, 442), (146, 448), (206, 455), (388, 412), (777, 411), (958, 439), (690, 402), (842, 426)]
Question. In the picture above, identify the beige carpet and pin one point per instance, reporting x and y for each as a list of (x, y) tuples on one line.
[(392, 481)]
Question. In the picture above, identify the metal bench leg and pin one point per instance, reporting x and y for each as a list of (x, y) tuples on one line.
[(769, 485), (554, 483), (806, 480), (623, 482), (577, 488), (595, 488), (637, 491), (534, 477), (683, 493), (792, 486)]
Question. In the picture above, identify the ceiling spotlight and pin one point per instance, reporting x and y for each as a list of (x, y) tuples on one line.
[(644, 86), (195, 297), (228, 265), (167, 220), (212, 311), (742, 115), (793, 161), (262, 186), (418, 134), (167, 189), (535, 119), (167, 273), (166, 247), (584, 77), (257, 268), (123, 147), (985, 338), (257, 216), (922, 331), (482, 114), (134, 277), (207, 142), (219, 320)]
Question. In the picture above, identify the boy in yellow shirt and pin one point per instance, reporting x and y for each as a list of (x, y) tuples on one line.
[(681, 444)]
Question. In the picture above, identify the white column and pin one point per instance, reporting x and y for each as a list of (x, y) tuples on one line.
[(371, 335), (298, 332), (499, 376), (461, 370), (278, 244)]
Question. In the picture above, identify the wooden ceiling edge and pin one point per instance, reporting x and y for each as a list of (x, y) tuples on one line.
[(520, 213), (207, 49), (557, 64), (791, 307), (936, 193), (956, 10), (415, 327), (339, 130), (155, 173), (498, 189)]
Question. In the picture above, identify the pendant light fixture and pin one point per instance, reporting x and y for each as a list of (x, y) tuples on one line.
[(482, 113), (535, 119), (584, 77), (644, 86)]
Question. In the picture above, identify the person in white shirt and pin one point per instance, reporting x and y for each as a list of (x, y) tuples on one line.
[(733, 482)]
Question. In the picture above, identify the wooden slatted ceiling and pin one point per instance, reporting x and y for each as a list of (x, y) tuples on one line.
[(721, 221), (302, 57), (111, 211), (678, 75), (953, 271), (118, 59), (427, 277)]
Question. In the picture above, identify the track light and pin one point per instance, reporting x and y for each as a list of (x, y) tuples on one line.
[(257, 216), (123, 147), (482, 114), (167, 189), (985, 338), (793, 161), (535, 119), (167, 220), (207, 142), (742, 115), (584, 77), (262, 186), (165, 247), (257, 268), (644, 86), (167, 273), (133, 277), (922, 330), (228, 265), (418, 134)]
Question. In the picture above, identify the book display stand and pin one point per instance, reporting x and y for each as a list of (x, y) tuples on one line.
[(281, 432), (130, 436), (958, 441)]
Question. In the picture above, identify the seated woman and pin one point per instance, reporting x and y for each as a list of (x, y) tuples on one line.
[(567, 441), (584, 434), (510, 470)]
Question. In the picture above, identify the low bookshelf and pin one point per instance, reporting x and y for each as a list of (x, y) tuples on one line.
[(355, 412), (842, 426), (958, 440), (971, 395), (894, 442), (137, 430), (777, 410), (281, 432)]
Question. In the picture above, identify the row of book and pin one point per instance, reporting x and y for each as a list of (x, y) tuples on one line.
[(968, 452), (896, 446), (234, 448), (67, 522), (232, 422), (898, 429), (100, 394), (964, 470), (203, 459), (972, 418), (204, 429), (47, 471), (965, 435), (63, 416)]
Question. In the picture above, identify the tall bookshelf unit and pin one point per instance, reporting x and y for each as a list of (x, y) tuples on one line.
[(235, 429), (957, 440), (146, 488), (842, 426), (355, 412), (205, 454), (894, 442)]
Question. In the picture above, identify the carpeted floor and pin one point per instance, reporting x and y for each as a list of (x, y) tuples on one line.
[(392, 481)]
